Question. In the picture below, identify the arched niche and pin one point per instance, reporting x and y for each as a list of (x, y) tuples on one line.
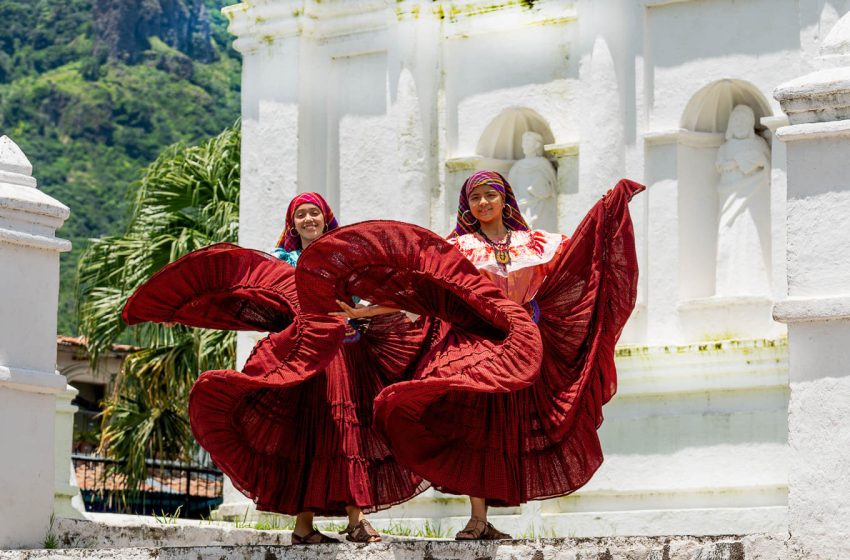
[(703, 126), (499, 146), (502, 139), (709, 109)]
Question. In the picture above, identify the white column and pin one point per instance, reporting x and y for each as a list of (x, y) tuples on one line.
[(67, 501), (29, 259), (817, 310)]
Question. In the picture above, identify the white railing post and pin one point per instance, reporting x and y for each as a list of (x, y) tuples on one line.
[(29, 284)]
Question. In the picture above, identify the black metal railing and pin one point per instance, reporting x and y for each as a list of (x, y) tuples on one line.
[(171, 488)]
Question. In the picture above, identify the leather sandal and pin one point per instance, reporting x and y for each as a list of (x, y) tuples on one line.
[(362, 532), (306, 539), (494, 534), (478, 529)]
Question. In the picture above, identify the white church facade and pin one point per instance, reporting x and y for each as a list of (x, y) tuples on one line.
[(732, 415), (386, 107)]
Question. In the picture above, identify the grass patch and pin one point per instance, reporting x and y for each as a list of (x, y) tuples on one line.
[(168, 518), (51, 541)]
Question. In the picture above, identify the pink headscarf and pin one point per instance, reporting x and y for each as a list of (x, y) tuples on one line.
[(290, 240), (466, 223)]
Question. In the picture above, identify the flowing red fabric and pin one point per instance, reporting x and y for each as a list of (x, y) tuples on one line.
[(482, 402), (293, 430), (482, 414), (218, 287)]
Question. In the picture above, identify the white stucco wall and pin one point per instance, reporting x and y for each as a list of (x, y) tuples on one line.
[(380, 106), (818, 307)]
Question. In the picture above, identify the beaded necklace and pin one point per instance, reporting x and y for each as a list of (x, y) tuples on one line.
[(500, 248)]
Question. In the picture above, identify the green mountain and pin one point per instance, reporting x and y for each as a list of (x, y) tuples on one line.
[(93, 90)]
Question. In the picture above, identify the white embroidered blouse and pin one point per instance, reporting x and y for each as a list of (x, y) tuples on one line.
[(530, 252)]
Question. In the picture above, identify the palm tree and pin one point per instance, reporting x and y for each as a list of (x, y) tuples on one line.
[(188, 198)]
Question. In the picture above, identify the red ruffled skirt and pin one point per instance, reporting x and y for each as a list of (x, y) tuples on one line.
[(477, 399), (294, 429), (490, 411)]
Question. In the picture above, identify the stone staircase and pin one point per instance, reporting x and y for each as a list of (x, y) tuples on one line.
[(128, 537), (560, 549), (618, 548)]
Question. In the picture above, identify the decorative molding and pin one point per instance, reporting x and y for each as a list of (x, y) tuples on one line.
[(31, 381), (469, 163), (566, 149), (685, 137), (259, 25), (821, 96), (355, 54), (701, 139), (774, 122), (723, 365), (497, 16), (814, 131), (12, 178), (466, 19), (662, 137), (35, 241), (33, 203), (812, 309), (723, 302)]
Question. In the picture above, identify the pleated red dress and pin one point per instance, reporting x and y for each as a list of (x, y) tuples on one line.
[(293, 430), (490, 396), (497, 407)]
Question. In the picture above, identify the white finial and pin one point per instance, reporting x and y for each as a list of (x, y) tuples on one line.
[(12, 158), (837, 42)]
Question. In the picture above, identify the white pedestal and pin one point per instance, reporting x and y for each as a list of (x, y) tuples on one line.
[(818, 311), (29, 259)]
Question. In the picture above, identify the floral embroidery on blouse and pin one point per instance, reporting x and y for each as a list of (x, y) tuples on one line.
[(528, 248)]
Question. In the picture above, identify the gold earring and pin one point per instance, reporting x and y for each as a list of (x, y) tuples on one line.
[(464, 220)]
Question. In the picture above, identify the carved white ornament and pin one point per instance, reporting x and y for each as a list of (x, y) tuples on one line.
[(534, 182), (743, 162)]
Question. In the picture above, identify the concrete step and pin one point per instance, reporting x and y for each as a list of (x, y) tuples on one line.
[(617, 548)]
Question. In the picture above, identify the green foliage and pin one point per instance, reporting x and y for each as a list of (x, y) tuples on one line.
[(50, 541), (330, 526), (165, 518), (89, 125), (427, 531), (274, 523), (187, 199), (40, 35)]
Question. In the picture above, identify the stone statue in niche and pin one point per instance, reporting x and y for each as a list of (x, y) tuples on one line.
[(534, 182), (743, 238)]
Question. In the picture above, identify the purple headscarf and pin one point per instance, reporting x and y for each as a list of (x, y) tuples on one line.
[(466, 223)]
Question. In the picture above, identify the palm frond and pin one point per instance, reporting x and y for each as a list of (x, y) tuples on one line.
[(187, 199)]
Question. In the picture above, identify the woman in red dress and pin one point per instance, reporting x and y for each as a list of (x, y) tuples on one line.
[(499, 409), (293, 430)]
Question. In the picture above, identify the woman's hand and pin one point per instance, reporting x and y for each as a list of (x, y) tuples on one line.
[(348, 311), (361, 312)]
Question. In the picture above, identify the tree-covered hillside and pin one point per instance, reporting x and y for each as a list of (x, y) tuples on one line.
[(93, 90)]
